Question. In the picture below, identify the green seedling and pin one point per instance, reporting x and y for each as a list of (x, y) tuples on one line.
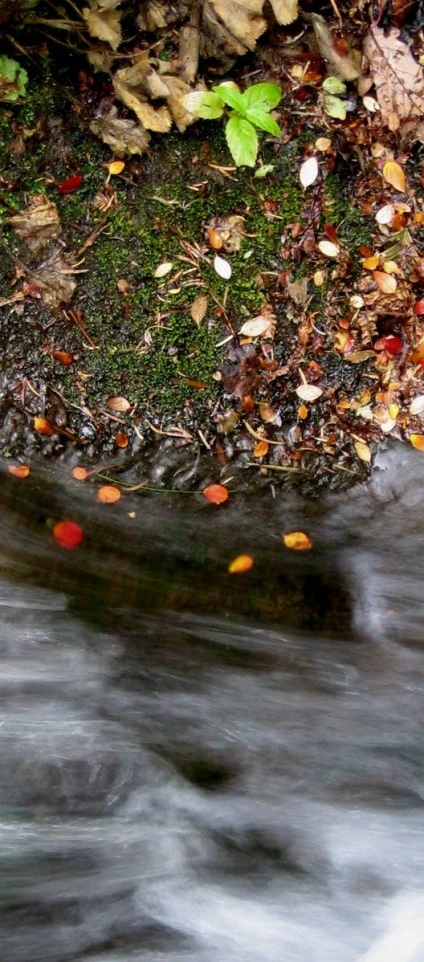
[(248, 110)]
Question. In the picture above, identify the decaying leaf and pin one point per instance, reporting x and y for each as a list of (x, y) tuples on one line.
[(118, 404), (386, 283), (298, 291), (55, 281), (285, 11), (345, 66), (132, 88), (104, 23), (122, 136), (198, 308), (38, 224), (255, 327), (398, 78)]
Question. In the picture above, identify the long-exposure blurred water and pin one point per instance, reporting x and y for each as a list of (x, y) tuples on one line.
[(198, 767)]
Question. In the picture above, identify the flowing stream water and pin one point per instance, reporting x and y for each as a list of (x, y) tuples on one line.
[(198, 767)]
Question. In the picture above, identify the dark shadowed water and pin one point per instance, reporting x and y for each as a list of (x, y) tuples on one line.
[(198, 767)]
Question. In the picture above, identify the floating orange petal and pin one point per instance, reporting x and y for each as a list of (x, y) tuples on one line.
[(243, 562), (108, 494), (121, 439), (68, 534), (394, 175), (18, 470), (79, 473), (302, 412), (297, 540), (417, 441), (43, 426), (216, 493)]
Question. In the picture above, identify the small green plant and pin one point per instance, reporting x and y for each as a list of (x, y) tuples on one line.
[(248, 110), (13, 79)]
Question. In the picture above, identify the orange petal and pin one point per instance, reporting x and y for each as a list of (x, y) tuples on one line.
[(394, 175), (243, 562), (297, 540), (385, 282), (116, 167), (417, 441), (260, 449), (18, 470), (43, 426), (79, 473), (216, 493), (108, 494)]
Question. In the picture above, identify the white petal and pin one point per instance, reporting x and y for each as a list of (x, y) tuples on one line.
[(308, 392), (328, 248), (163, 269), (417, 405), (308, 172), (255, 327), (222, 267)]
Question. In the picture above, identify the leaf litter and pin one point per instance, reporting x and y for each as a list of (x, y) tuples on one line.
[(371, 323)]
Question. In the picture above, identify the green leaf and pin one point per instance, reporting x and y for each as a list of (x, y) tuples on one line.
[(230, 94), (335, 107), (203, 103), (332, 85), (262, 172), (262, 119), (266, 96), (242, 140), (13, 79)]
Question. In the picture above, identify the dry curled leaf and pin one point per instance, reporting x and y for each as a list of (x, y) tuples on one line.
[(104, 24), (397, 76), (122, 136), (37, 224)]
